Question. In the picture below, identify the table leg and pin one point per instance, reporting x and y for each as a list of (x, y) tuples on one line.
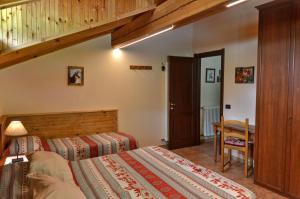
[(216, 143), (220, 142)]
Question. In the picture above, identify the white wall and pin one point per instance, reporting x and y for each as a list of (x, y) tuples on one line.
[(39, 85), (210, 92)]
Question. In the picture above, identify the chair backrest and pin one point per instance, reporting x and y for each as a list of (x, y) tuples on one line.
[(230, 128)]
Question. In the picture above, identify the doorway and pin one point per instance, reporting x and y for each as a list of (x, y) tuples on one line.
[(211, 88), (185, 85)]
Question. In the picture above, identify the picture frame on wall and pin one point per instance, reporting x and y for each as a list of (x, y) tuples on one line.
[(75, 76), (244, 75), (210, 75)]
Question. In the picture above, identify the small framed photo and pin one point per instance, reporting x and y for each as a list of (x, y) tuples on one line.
[(244, 75), (210, 75), (75, 76)]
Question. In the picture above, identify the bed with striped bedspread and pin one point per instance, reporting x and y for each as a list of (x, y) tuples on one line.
[(150, 172), (77, 148)]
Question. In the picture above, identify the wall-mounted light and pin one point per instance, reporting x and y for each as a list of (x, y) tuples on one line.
[(163, 67), (235, 3), (117, 53), (149, 36)]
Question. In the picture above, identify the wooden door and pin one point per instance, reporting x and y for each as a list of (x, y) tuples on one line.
[(182, 103), (272, 94), (293, 149)]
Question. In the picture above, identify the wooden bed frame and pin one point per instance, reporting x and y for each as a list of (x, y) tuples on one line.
[(67, 124)]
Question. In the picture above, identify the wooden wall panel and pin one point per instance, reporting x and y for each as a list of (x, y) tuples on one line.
[(53, 125), (29, 22)]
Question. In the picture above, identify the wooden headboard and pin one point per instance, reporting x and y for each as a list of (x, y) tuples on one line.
[(68, 124)]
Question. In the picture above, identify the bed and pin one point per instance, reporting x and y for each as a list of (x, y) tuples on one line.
[(150, 172), (75, 135), (78, 147)]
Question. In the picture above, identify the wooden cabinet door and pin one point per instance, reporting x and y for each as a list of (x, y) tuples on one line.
[(293, 150), (272, 95)]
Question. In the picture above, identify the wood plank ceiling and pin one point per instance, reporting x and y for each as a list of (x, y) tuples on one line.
[(31, 28)]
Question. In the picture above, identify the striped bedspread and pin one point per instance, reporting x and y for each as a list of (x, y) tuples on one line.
[(150, 172), (78, 148)]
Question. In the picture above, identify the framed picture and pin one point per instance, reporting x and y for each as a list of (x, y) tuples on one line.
[(210, 75), (75, 76), (244, 75)]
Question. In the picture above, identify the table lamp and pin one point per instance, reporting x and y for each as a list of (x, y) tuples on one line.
[(16, 129)]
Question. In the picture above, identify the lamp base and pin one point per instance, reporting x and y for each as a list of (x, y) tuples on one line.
[(17, 160)]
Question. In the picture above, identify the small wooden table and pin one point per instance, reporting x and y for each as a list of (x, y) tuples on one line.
[(217, 128)]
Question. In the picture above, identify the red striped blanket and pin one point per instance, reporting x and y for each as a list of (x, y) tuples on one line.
[(77, 148), (150, 172)]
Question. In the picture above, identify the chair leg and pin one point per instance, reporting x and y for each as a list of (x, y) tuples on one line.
[(229, 155), (252, 158), (222, 159), (246, 164)]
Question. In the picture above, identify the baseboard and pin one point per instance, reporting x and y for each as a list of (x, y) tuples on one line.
[(271, 188), (205, 139)]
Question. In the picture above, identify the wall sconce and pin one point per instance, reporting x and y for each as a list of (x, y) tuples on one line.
[(117, 53), (163, 67)]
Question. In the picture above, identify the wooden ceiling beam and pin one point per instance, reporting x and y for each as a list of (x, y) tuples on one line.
[(162, 10), (172, 12), (158, 2), (43, 48)]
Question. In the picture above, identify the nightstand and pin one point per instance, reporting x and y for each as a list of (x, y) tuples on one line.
[(8, 160), (2, 161)]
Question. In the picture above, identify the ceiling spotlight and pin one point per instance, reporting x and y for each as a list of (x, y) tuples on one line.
[(149, 36), (235, 3)]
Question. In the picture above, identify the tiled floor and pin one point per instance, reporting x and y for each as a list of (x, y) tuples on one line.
[(203, 155)]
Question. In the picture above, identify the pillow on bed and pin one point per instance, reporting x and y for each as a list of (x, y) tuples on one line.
[(27, 144), (47, 187), (52, 164)]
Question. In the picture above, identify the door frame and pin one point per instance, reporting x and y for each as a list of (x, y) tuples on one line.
[(198, 58)]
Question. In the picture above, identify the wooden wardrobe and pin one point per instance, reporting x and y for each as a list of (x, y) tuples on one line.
[(277, 140)]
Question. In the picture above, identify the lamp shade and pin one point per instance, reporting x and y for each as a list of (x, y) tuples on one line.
[(15, 128)]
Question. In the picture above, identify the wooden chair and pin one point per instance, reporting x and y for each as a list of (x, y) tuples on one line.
[(234, 140)]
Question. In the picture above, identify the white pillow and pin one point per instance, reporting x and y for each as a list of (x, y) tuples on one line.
[(47, 187), (52, 164)]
